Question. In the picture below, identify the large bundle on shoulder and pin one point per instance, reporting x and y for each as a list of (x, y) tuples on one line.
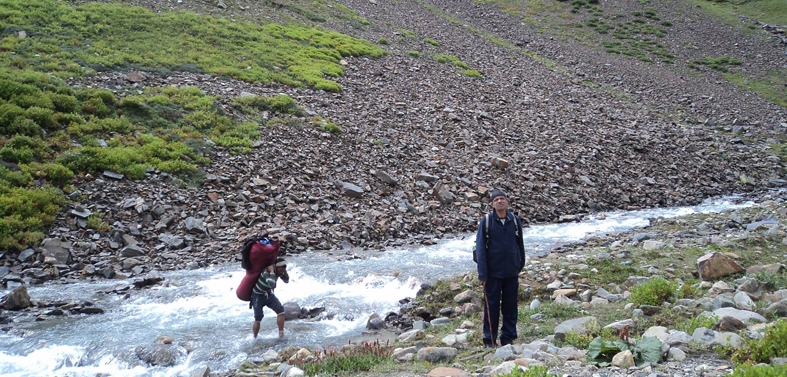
[(257, 253)]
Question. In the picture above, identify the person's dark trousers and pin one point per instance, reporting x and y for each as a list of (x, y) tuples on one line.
[(498, 290)]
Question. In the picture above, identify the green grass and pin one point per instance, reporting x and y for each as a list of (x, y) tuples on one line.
[(364, 357), (68, 40), (770, 87), (444, 58), (768, 11)]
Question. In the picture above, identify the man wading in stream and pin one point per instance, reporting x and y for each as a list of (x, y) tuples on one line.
[(500, 254), (262, 295)]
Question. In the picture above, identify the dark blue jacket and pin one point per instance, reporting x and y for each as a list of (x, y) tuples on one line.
[(505, 255)]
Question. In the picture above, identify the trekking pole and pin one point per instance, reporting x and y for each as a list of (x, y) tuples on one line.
[(488, 319)]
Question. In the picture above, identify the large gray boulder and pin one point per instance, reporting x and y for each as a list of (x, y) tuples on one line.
[(744, 316), (777, 309), (715, 265)]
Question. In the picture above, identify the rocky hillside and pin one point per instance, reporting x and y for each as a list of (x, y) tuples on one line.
[(543, 102)]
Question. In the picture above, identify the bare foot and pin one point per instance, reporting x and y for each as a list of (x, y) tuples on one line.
[(281, 334)]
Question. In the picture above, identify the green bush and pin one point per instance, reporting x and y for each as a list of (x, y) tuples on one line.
[(534, 371), (691, 324), (24, 126), (8, 114), (10, 89), (21, 149), (333, 127), (747, 370), (54, 173), (653, 292), (432, 42), (772, 344), (773, 282), (357, 359), (382, 41), (471, 73), (23, 212), (14, 178), (38, 100), (95, 106), (63, 103), (43, 117), (414, 53)]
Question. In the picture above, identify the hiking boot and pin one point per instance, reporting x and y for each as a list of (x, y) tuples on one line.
[(506, 341)]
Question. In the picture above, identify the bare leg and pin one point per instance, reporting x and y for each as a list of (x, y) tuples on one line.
[(280, 323), (255, 328)]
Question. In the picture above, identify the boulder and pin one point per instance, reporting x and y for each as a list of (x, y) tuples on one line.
[(466, 296), (777, 309), (504, 369), (578, 325), (506, 352), (623, 359), (715, 265), (428, 178), (676, 354), (56, 251), (351, 190), (386, 178), (375, 322), (411, 336), (291, 311), (404, 354), (653, 245), (17, 299), (743, 301), (447, 372), (165, 355), (436, 354), (744, 316)]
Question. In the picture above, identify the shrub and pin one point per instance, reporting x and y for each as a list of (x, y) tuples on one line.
[(382, 41), (414, 53), (747, 370), (38, 100), (432, 42), (772, 344), (8, 114), (63, 103), (772, 282), (43, 117), (706, 321), (332, 127), (95, 106), (23, 212), (21, 149), (55, 173), (534, 371), (10, 89), (653, 292), (471, 73), (96, 221), (24, 126), (349, 360)]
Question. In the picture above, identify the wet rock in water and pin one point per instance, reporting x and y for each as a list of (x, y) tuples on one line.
[(165, 355), (201, 372), (151, 278), (436, 354), (375, 322), (17, 299), (716, 265), (291, 311)]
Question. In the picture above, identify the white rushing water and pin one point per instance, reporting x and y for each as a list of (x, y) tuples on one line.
[(200, 311)]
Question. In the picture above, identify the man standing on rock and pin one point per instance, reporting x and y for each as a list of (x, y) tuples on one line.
[(262, 295), (500, 254)]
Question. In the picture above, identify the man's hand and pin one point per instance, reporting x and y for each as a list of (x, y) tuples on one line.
[(483, 283)]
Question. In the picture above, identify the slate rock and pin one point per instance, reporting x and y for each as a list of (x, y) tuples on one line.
[(715, 265), (386, 178), (404, 354), (351, 190), (17, 299), (447, 372), (578, 325), (411, 336), (56, 251)]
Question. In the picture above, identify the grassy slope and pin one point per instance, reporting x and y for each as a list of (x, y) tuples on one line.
[(49, 131)]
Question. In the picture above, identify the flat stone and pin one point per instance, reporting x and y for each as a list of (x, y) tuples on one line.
[(436, 354), (113, 175), (447, 372), (744, 316), (716, 265)]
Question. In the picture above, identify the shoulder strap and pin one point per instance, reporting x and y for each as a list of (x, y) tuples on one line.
[(486, 229)]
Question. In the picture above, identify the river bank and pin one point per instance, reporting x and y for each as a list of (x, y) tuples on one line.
[(581, 291)]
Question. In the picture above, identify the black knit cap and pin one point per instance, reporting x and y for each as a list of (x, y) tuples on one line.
[(498, 192)]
